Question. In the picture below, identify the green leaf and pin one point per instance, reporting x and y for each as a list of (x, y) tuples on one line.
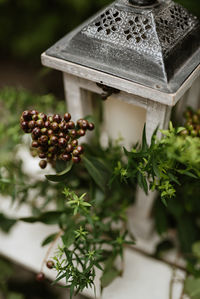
[(68, 237), (47, 218), (6, 223), (144, 140), (71, 291), (155, 167), (161, 219), (192, 287), (48, 239), (188, 173), (6, 269), (142, 182), (196, 249), (97, 171), (108, 276), (61, 176), (15, 296)]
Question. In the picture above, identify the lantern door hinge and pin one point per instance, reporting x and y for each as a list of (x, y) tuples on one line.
[(107, 90)]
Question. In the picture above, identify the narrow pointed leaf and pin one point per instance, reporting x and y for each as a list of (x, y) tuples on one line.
[(61, 176)]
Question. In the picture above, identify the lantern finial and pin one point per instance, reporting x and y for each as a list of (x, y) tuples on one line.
[(142, 2)]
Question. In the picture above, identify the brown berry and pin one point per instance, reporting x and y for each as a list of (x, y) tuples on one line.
[(33, 112), (66, 157), (76, 159), (43, 164), (69, 149), (67, 117), (27, 115), (35, 144), (54, 126), (50, 264), (80, 149), (53, 149), (62, 124), (76, 153), (184, 132), (42, 155), (36, 132), (24, 125), (40, 123), (91, 126), (74, 142), (43, 140), (50, 119), (35, 117), (40, 276), (67, 137), (42, 116), (50, 132), (61, 135), (71, 124), (44, 131), (84, 124), (57, 118), (79, 122), (81, 132), (53, 139), (31, 124), (62, 142), (47, 124), (73, 133)]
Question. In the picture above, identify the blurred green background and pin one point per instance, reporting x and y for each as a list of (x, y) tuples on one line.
[(28, 27)]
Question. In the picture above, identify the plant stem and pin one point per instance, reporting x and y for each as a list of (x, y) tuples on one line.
[(50, 248)]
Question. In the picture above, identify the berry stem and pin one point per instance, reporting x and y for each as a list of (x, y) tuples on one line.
[(50, 249)]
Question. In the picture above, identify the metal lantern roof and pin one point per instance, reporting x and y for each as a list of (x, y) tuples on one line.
[(155, 43)]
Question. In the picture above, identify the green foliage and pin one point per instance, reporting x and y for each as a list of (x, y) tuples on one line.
[(6, 223), (88, 209), (27, 38), (13, 181), (164, 162), (90, 240), (192, 288), (5, 273), (12, 103)]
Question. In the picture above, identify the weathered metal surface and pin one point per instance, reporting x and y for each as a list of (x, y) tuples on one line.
[(157, 45)]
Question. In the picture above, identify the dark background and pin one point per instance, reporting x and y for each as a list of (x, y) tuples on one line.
[(29, 27)]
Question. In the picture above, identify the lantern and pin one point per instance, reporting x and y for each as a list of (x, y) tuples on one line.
[(143, 55)]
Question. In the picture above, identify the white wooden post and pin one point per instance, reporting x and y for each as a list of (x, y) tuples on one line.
[(78, 100), (191, 98)]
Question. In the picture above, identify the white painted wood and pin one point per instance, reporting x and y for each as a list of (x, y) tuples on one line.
[(122, 96), (191, 98), (158, 116), (123, 121), (116, 82), (78, 100), (193, 95)]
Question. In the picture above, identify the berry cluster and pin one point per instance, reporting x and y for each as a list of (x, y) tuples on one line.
[(54, 137), (192, 124)]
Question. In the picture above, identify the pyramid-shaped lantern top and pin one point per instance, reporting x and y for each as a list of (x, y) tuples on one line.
[(150, 42)]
